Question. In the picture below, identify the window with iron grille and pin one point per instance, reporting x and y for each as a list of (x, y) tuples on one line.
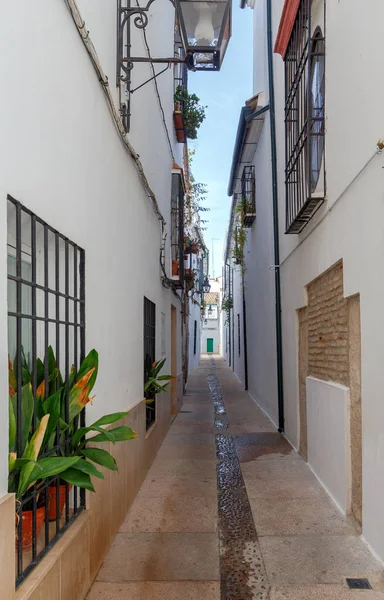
[(149, 354), (304, 120), (238, 335), (194, 337), (46, 334), (248, 195), (177, 230)]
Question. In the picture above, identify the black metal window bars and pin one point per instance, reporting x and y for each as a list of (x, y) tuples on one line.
[(238, 335), (149, 354), (46, 308), (248, 195), (304, 123), (177, 230)]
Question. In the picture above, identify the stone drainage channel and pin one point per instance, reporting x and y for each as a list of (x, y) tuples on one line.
[(243, 575)]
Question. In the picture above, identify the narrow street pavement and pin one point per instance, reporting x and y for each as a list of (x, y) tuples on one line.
[(228, 510)]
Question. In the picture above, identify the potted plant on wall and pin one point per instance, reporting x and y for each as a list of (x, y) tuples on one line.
[(29, 467), (74, 463), (179, 122), (193, 113), (154, 383)]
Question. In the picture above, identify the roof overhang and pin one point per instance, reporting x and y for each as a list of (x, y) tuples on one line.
[(287, 21), (248, 134)]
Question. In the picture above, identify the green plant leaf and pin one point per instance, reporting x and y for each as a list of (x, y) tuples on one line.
[(12, 428), (47, 467), (27, 406), (82, 431), (91, 361), (89, 468), (108, 419), (11, 462), (77, 478), (52, 406), (101, 457), (39, 372), (120, 434)]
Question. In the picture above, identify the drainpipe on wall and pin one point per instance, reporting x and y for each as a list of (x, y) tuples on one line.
[(245, 337), (279, 345)]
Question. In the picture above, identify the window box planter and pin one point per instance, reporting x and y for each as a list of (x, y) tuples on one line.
[(178, 121)]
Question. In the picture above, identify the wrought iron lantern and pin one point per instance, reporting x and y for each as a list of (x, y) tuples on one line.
[(206, 286), (205, 29)]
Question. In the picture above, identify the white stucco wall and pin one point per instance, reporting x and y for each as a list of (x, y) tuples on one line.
[(194, 353), (348, 226), (61, 156), (328, 434)]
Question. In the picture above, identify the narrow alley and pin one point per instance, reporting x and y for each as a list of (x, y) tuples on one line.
[(229, 510)]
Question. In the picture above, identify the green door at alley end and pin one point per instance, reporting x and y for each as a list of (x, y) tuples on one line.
[(209, 344)]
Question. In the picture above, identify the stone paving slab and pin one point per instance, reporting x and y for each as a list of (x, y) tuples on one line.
[(176, 513), (311, 559), (186, 590), (299, 516), (195, 452), (162, 557), (323, 592)]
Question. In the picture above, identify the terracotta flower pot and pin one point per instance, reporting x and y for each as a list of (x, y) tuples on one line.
[(179, 126), (175, 267), (27, 526), (52, 494)]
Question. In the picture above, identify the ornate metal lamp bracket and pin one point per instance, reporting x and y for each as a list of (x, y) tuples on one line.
[(125, 61)]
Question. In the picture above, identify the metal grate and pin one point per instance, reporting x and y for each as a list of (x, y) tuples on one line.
[(149, 353), (248, 195), (46, 321), (358, 584), (304, 122)]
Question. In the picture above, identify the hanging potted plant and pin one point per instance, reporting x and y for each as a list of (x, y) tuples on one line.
[(193, 113), (178, 121)]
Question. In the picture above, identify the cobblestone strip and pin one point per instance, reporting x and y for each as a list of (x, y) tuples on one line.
[(243, 575)]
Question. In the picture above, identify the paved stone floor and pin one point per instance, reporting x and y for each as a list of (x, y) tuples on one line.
[(229, 511)]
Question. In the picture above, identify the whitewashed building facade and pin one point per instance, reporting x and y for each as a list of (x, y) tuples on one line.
[(317, 235), (91, 222)]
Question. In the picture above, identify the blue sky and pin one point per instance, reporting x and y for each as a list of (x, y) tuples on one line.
[(224, 93)]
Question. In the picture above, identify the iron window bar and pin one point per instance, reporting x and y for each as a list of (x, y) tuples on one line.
[(302, 127), (48, 264), (177, 230), (248, 195), (149, 356)]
